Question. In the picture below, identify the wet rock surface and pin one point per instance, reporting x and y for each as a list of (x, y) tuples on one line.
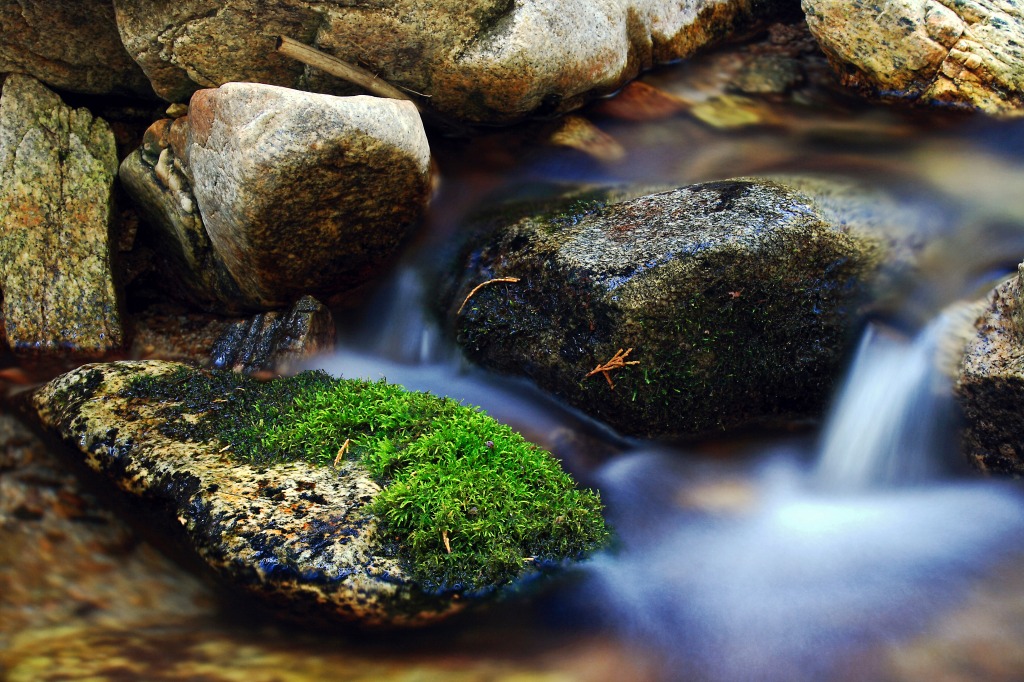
[(488, 60), (938, 52), (57, 171), (263, 194), (990, 385), (707, 307), (68, 44), (295, 536), (272, 341)]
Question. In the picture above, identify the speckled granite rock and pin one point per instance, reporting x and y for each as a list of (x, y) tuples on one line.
[(68, 44), (737, 299), (296, 537), (990, 385), (960, 53), (485, 60), (57, 171), (263, 194), (273, 341)]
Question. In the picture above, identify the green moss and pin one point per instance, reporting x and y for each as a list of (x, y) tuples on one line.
[(447, 471)]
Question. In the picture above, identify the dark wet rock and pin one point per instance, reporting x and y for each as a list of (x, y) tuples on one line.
[(965, 54), (990, 385), (273, 341), (486, 60), (302, 537), (57, 171), (263, 194), (712, 306), (68, 44)]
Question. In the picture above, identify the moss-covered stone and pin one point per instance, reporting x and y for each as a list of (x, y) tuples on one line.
[(352, 498), (737, 298), (57, 170)]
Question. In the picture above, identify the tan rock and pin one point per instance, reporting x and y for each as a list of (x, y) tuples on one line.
[(483, 60), (68, 44), (963, 53), (57, 170)]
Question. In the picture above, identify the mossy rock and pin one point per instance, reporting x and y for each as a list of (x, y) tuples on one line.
[(733, 303), (337, 497)]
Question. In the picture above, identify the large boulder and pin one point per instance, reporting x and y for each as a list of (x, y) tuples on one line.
[(263, 194), (484, 60), (57, 172), (707, 307), (959, 53), (990, 384), (68, 44), (323, 497)]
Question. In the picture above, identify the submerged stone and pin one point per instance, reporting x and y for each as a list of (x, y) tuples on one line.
[(263, 194), (961, 53), (990, 383), (703, 308), (483, 60), (57, 171), (331, 498)]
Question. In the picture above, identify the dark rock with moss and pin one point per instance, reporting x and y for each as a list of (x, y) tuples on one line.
[(990, 384), (689, 311), (57, 171), (328, 497), (271, 341), (263, 194)]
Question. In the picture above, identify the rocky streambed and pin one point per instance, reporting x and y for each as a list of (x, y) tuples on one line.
[(659, 289)]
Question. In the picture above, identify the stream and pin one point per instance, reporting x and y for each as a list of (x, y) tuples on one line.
[(859, 547)]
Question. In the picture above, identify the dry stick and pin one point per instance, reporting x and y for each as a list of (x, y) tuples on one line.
[(478, 287), (336, 67), (618, 361), (341, 451)]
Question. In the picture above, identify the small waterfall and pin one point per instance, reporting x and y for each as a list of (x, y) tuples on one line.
[(403, 330), (892, 421)]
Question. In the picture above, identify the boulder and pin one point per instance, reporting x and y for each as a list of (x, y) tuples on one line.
[(965, 54), (714, 306), (70, 45), (263, 194), (990, 383), (485, 61), (327, 498), (57, 171)]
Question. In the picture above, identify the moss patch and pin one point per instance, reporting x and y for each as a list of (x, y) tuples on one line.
[(467, 503)]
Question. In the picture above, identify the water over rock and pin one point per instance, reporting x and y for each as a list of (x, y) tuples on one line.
[(57, 172), (990, 384), (707, 307), (301, 537), (965, 54), (68, 44), (263, 194), (485, 60)]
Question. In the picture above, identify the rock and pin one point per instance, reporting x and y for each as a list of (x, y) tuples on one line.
[(966, 54), (264, 194), (68, 44), (712, 306), (57, 170), (278, 513), (273, 341), (990, 384), (485, 61)]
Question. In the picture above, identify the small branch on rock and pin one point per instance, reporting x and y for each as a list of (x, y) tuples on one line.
[(618, 361), (478, 287), (336, 67), (342, 450)]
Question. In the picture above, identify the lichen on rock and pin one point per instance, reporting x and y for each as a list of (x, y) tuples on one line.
[(350, 499)]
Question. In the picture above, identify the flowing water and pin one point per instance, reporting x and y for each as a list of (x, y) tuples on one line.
[(857, 550)]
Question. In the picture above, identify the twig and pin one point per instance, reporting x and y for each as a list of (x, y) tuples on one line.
[(478, 287), (618, 361), (341, 451), (447, 545), (336, 67)]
